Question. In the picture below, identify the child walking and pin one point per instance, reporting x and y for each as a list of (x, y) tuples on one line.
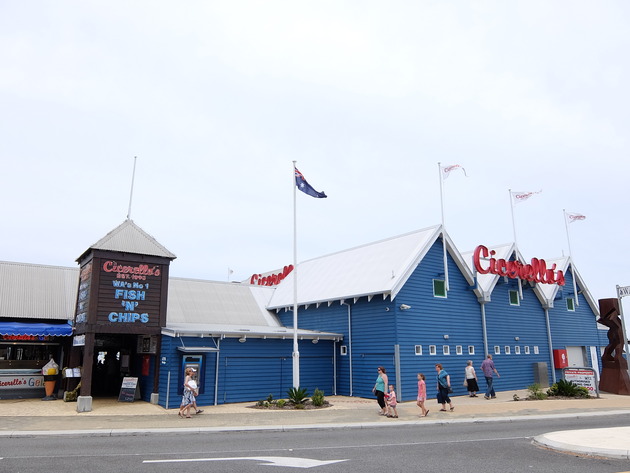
[(391, 403), (422, 394)]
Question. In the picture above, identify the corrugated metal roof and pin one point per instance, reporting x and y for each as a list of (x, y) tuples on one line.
[(194, 301), (379, 268), (130, 238), (38, 292), (486, 282)]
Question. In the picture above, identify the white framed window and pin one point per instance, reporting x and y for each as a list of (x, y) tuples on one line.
[(418, 349), (446, 350), (458, 350), (432, 350), (343, 350), (514, 299), (570, 304), (517, 350), (527, 350), (506, 349), (497, 350), (535, 350), (439, 288), (471, 349)]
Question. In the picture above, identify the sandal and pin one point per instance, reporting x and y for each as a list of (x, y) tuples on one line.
[(442, 410), (199, 411), (452, 409), (188, 417), (426, 413), (180, 414)]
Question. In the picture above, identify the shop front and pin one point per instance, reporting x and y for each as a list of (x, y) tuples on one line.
[(24, 350)]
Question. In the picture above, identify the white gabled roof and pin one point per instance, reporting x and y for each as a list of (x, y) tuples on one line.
[(35, 291), (130, 238), (550, 291), (486, 282), (375, 269)]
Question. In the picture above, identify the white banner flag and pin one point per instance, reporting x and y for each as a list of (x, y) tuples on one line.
[(446, 170), (518, 197), (575, 217)]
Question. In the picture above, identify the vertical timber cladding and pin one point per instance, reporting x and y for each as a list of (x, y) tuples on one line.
[(131, 294)]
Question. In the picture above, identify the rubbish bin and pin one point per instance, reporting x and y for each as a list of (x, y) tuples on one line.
[(541, 375)]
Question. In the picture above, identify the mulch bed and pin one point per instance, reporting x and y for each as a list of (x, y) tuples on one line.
[(308, 405)]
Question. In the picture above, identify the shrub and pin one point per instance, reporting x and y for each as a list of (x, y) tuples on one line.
[(535, 392), (297, 395), (270, 398), (318, 397), (281, 402), (567, 389)]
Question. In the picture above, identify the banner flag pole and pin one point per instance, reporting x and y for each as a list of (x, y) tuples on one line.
[(520, 286), (446, 287), (566, 226)]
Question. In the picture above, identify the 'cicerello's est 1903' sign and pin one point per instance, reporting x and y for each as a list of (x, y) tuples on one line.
[(535, 271)]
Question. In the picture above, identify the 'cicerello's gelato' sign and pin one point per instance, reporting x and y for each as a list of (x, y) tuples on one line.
[(536, 271)]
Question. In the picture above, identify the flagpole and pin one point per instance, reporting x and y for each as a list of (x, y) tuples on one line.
[(296, 353), (133, 178), (520, 286), (443, 228), (566, 226)]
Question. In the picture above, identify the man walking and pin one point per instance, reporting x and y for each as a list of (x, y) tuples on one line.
[(489, 369)]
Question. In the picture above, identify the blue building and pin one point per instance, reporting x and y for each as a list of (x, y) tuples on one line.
[(404, 303)]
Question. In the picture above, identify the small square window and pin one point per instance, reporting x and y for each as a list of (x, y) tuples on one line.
[(570, 304), (514, 299), (527, 350), (446, 350), (506, 349), (458, 350), (344, 350), (517, 350), (535, 350), (439, 288), (432, 350), (471, 349), (418, 349), (497, 350)]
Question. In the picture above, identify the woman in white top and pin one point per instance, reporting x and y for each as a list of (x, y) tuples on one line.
[(471, 379)]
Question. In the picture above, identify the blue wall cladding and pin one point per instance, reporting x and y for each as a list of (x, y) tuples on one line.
[(505, 323), (574, 328), (430, 319), (248, 371)]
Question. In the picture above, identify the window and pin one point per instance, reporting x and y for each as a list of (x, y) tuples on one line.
[(418, 349), (517, 350), (446, 350), (344, 350), (514, 299), (432, 350), (506, 349), (497, 350), (527, 350), (439, 288), (471, 349), (535, 350), (458, 350), (570, 304)]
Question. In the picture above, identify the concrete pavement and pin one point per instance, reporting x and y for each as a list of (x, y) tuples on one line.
[(34, 417)]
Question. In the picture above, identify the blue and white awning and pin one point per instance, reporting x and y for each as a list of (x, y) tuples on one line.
[(35, 329)]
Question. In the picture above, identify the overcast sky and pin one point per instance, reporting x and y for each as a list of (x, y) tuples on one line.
[(216, 99)]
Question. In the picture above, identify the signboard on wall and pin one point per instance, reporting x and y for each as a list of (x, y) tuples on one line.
[(129, 295)]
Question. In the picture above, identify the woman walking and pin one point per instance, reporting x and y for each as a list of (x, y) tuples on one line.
[(443, 386), (471, 379), (379, 389)]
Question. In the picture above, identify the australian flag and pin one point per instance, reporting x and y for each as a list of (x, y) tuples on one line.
[(305, 187)]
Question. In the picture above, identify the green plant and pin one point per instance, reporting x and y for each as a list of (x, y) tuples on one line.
[(535, 392), (567, 389), (270, 398), (297, 395), (318, 397), (262, 403), (281, 402)]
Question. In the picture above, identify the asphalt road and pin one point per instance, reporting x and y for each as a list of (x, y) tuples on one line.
[(500, 447)]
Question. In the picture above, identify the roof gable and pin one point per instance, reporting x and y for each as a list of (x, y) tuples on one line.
[(130, 238), (379, 268)]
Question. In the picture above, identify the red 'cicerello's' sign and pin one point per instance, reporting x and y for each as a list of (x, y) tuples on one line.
[(272, 279), (536, 271)]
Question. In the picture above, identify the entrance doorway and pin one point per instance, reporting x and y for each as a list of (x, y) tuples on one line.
[(114, 357)]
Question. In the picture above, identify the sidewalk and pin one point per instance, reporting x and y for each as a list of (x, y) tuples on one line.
[(34, 417)]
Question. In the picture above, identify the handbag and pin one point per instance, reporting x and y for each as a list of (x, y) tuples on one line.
[(450, 390), (465, 382)]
